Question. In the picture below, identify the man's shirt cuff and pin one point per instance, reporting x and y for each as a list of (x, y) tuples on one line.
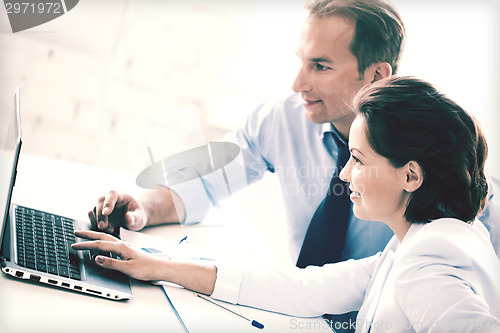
[(195, 200)]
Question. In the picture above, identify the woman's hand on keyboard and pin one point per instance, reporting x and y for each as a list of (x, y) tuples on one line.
[(144, 266), (133, 262)]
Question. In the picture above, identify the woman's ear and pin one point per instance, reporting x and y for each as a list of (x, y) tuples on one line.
[(413, 175)]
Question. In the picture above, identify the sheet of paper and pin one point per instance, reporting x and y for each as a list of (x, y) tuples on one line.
[(201, 316)]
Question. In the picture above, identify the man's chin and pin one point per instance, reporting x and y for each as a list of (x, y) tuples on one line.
[(315, 118)]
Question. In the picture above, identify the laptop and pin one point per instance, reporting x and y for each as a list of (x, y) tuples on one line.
[(36, 245)]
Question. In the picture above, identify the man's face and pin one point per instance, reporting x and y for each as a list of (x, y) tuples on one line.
[(328, 78)]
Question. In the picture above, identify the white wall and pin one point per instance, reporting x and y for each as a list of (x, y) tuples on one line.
[(93, 76), (456, 45)]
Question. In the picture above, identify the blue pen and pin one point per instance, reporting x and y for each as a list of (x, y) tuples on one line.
[(184, 239), (254, 323)]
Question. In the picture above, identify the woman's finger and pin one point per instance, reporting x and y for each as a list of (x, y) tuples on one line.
[(94, 235), (100, 245), (110, 263)]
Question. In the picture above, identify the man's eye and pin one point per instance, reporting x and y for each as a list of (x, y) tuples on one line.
[(321, 68)]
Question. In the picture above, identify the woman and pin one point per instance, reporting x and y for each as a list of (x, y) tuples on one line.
[(417, 165)]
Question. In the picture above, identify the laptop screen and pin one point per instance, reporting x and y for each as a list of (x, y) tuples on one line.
[(10, 146)]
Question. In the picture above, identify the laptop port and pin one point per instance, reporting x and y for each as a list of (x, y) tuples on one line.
[(64, 284), (94, 291), (52, 281), (19, 274), (78, 288), (34, 277)]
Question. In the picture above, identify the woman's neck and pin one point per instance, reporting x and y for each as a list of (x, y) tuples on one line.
[(400, 228)]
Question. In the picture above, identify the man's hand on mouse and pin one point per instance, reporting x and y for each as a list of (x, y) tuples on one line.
[(117, 210)]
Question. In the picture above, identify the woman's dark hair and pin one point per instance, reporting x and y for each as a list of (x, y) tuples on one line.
[(408, 119), (380, 32)]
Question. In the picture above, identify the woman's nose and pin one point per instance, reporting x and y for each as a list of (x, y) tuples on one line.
[(345, 173)]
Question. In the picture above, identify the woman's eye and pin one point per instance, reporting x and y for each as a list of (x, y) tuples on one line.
[(356, 160)]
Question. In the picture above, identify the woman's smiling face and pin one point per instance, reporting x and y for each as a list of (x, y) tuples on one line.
[(377, 186)]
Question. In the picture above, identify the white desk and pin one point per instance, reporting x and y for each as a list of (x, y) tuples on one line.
[(71, 189)]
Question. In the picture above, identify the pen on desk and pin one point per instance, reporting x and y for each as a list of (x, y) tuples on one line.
[(180, 251), (253, 322), (184, 239)]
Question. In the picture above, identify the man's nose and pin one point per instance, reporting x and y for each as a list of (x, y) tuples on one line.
[(301, 82)]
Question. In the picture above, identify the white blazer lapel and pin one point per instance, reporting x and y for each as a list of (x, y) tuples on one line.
[(365, 317)]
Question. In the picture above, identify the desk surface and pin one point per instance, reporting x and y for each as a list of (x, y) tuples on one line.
[(71, 189)]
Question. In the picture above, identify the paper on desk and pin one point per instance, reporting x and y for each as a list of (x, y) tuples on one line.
[(172, 248), (201, 316), (220, 245)]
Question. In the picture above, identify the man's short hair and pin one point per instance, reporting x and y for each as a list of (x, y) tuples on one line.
[(379, 34)]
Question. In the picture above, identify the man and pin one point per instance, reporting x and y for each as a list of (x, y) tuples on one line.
[(344, 45)]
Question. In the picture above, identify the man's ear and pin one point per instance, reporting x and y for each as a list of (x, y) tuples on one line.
[(381, 70), (413, 176)]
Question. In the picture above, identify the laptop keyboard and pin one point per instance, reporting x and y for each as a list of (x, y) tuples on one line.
[(44, 243)]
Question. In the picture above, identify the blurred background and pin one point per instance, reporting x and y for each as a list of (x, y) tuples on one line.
[(92, 78)]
